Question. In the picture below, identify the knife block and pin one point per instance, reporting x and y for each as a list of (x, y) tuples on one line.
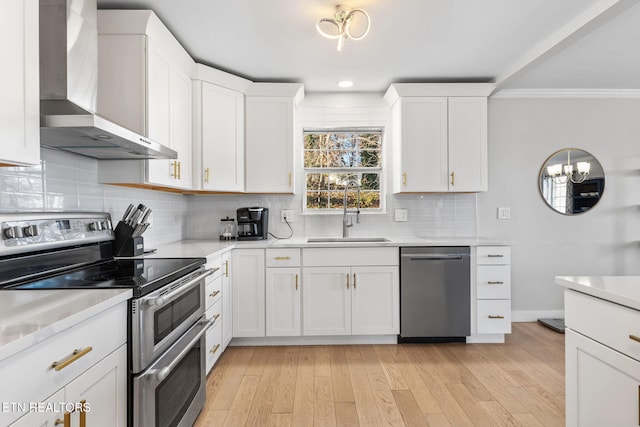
[(125, 244)]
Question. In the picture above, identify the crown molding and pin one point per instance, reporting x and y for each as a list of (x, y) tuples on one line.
[(565, 93)]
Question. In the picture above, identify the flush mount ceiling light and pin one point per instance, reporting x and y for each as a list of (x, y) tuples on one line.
[(339, 27), (345, 84)]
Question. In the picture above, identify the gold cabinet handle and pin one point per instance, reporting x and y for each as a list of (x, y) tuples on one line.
[(179, 170), (453, 178), (354, 280), (83, 414), (214, 318), (66, 421), (495, 256), (226, 268), (495, 282), (282, 258), (290, 179), (347, 280), (495, 316), (634, 338), (214, 294), (214, 349), (404, 179), (77, 354), (174, 164), (206, 175), (296, 281)]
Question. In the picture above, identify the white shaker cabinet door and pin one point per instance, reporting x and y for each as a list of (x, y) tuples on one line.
[(19, 83), (283, 293), (602, 385), (327, 301), (375, 300), (248, 292)]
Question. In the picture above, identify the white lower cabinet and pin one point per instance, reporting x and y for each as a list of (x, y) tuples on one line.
[(347, 299), (493, 290), (603, 385), (326, 301), (91, 367), (227, 308), (283, 302), (248, 274)]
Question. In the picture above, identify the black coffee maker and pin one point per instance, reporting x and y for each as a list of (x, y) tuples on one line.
[(252, 223)]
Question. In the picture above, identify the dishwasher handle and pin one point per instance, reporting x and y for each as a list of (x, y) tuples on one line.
[(433, 257)]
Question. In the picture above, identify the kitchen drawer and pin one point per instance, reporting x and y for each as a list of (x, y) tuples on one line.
[(493, 282), (608, 323), (283, 258), (213, 291), (337, 257), (28, 376), (214, 263), (493, 316), (214, 313), (213, 347), (493, 255)]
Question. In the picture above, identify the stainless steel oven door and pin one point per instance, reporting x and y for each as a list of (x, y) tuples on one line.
[(171, 392), (161, 317)]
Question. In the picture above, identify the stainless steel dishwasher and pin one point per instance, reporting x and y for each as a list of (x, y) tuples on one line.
[(435, 294)]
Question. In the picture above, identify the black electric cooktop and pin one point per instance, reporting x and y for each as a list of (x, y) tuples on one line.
[(143, 275)]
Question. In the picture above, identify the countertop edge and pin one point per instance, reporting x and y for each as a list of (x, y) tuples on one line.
[(610, 288)]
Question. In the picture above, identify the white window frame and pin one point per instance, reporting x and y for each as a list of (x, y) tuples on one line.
[(356, 170)]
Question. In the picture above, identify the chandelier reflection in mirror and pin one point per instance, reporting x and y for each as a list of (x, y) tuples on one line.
[(561, 172), (340, 26)]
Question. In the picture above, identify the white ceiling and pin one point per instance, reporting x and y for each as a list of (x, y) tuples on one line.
[(515, 43)]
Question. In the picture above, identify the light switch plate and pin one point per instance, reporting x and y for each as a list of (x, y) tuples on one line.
[(401, 215), (504, 213)]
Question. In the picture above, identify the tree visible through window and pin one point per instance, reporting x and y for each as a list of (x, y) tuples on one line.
[(334, 157)]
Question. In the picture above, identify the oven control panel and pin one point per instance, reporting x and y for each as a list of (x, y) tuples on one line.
[(52, 230)]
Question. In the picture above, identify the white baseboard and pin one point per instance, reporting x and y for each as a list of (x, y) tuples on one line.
[(534, 315), (485, 339), (323, 340)]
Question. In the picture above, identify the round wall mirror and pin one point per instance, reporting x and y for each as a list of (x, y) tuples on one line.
[(571, 181)]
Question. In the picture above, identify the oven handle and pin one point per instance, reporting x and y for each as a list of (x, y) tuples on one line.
[(161, 374), (159, 301)]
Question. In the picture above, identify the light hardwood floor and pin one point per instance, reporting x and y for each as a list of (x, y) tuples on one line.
[(519, 383)]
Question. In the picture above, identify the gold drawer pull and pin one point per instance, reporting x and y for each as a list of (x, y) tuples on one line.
[(282, 258), (214, 318), (453, 178), (354, 280), (495, 282), (347, 280), (77, 354), (226, 268), (214, 294), (634, 338), (495, 256), (296, 281), (214, 349), (495, 316)]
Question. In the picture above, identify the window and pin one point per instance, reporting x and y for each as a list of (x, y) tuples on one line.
[(334, 157)]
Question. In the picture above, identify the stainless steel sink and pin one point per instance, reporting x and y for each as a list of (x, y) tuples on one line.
[(346, 240)]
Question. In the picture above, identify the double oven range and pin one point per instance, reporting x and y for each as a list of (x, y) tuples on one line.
[(166, 336)]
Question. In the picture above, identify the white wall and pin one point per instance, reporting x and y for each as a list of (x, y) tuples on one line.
[(68, 182), (603, 241)]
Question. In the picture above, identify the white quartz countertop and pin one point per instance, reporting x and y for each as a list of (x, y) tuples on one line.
[(624, 290), (210, 248), (30, 316)]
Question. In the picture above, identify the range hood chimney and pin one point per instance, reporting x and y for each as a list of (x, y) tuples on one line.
[(69, 88)]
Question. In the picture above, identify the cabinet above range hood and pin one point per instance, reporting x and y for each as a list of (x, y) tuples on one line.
[(69, 87)]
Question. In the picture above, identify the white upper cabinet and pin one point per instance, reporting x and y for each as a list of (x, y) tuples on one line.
[(218, 130), (270, 120), (439, 137), (151, 95), (19, 83)]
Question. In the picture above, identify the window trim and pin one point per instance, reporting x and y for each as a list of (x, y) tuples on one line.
[(382, 170)]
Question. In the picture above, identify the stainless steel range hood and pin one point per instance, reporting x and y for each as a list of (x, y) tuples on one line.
[(69, 87)]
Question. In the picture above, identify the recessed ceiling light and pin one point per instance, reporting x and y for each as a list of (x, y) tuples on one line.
[(345, 84)]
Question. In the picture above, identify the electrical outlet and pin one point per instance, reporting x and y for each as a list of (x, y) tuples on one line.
[(286, 214), (504, 213), (401, 215)]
